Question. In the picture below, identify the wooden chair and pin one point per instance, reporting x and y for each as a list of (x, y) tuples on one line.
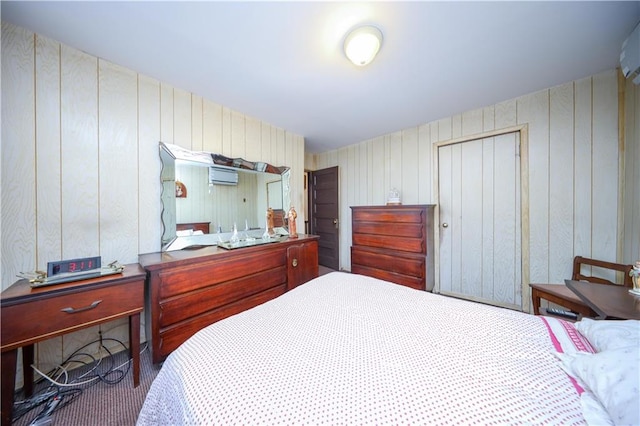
[(563, 296)]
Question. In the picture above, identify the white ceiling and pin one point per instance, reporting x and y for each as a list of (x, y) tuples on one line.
[(282, 62)]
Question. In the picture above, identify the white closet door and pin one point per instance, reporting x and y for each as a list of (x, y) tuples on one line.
[(480, 220)]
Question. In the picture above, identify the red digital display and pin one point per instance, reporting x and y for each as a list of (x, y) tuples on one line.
[(73, 265)]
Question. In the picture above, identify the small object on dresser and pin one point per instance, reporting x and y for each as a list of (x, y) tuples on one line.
[(64, 271), (270, 222), (393, 199), (634, 273), (292, 216), (234, 237)]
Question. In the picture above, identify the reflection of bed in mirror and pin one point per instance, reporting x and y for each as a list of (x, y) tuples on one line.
[(224, 192)]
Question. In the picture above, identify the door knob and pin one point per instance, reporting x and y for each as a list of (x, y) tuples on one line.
[(335, 222), (445, 225)]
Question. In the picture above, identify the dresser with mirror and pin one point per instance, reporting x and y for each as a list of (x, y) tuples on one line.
[(201, 277)]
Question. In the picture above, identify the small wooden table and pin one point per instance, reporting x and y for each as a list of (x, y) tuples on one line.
[(608, 301), (30, 315), (560, 295)]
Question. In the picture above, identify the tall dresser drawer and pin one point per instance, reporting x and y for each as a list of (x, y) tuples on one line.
[(411, 245), (404, 280), (408, 230), (389, 215), (410, 266), (73, 311)]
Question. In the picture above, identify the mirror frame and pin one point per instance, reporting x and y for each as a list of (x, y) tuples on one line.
[(169, 154)]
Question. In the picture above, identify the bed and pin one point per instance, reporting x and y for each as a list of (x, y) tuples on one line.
[(349, 349)]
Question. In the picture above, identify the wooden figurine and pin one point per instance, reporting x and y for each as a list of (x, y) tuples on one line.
[(292, 216), (269, 230)]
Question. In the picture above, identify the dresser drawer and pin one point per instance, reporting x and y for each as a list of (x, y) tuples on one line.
[(51, 316), (391, 242), (188, 278), (413, 266), (389, 215), (413, 282), (410, 230), (195, 303), (172, 337)]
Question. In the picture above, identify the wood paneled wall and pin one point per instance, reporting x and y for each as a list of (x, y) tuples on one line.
[(573, 170), (80, 166)]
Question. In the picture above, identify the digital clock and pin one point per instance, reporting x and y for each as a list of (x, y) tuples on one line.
[(73, 265)]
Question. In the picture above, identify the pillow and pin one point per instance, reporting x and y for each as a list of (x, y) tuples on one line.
[(565, 337), (610, 334), (613, 376), (593, 412)]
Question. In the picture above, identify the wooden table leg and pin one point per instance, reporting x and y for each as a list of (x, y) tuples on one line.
[(535, 297), (134, 346), (27, 372), (8, 360)]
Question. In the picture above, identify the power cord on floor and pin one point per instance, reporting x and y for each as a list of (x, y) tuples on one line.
[(62, 390)]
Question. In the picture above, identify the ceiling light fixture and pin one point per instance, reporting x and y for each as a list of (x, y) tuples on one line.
[(362, 45)]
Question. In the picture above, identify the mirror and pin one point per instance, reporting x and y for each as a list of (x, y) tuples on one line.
[(204, 195)]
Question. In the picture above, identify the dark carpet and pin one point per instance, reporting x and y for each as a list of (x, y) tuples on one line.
[(101, 403)]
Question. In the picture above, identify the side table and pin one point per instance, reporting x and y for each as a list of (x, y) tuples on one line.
[(30, 315), (560, 295), (608, 301)]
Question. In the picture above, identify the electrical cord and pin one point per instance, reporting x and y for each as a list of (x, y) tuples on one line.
[(62, 389)]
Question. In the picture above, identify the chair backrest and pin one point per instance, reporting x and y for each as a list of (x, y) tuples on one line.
[(579, 262)]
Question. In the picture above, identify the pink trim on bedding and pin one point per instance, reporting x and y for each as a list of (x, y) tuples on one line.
[(581, 344), (554, 339), (576, 338)]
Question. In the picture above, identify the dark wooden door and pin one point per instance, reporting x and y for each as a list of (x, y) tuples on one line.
[(324, 215)]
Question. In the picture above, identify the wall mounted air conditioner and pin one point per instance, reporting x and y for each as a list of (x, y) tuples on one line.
[(222, 176), (630, 56)]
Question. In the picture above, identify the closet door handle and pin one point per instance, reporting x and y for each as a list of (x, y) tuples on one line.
[(294, 262), (71, 310)]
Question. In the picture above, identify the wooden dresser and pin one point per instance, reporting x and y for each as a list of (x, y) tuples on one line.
[(394, 243), (189, 289)]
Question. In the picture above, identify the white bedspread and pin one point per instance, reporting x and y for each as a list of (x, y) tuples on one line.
[(348, 349)]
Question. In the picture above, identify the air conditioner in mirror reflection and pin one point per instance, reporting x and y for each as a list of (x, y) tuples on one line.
[(222, 176)]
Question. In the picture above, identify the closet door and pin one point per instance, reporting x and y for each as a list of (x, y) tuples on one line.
[(479, 197)]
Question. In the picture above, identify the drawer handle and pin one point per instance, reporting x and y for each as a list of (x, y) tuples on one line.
[(294, 262), (86, 308)]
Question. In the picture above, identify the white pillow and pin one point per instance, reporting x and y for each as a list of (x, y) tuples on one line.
[(593, 412), (613, 376), (610, 334)]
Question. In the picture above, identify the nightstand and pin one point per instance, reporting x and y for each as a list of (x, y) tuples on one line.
[(30, 315), (608, 301)]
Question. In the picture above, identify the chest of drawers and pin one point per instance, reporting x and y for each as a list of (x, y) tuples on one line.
[(394, 243)]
